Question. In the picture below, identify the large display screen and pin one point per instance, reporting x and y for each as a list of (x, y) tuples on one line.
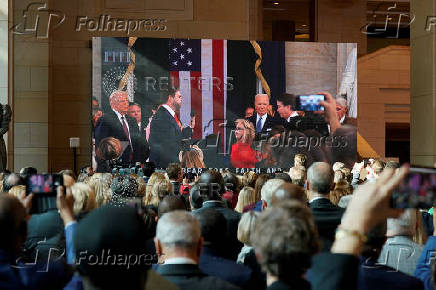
[(210, 103)]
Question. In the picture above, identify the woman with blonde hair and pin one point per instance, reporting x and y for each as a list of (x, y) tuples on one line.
[(101, 183), (342, 188), (243, 156), (246, 227), (160, 189), (84, 198), (246, 197), (17, 190), (192, 158), (249, 179), (155, 177)]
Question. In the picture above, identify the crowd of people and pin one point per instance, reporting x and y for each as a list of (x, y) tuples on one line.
[(314, 227), (265, 137)]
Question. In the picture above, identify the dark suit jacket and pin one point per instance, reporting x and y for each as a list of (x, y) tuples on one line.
[(233, 245), (373, 276), (213, 264), (165, 138), (110, 126), (189, 277), (327, 218), (269, 123), (299, 285)]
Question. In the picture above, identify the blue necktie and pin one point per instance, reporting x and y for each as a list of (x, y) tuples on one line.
[(259, 126)]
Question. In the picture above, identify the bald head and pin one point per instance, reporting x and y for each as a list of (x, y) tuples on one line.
[(287, 191), (261, 102), (320, 177)]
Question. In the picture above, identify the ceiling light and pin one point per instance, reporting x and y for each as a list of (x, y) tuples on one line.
[(276, 2)]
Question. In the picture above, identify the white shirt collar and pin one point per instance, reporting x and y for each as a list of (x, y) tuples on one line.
[(316, 198), (169, 110), (262, 117), (179, 260), (118, 115), (342, 119), (294, 114)]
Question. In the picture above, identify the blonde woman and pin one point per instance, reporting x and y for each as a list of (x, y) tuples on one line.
[(246, 197), (155, 177), (243, 156), (84, 198), (101, 183), (245, 230), (160, 189), (249, 179), (17, 190)]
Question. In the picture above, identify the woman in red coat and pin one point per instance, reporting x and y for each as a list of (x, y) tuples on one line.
[(243, 156)]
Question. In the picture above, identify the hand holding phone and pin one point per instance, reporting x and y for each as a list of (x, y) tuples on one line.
[(309, 103)]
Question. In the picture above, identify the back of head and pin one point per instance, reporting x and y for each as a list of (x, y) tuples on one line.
[(196, 198), (298, 175), (109, 148), (378, 166), (28, 170), (11, 180), (405, 225), (174, 171), (288, 191), (260, 181), (231, 181), (213, 227), (268, 188), (101, 183), (170, 203), (246, 197), (161, 188), (105, 240), (84, 198), (178, 229), (124, 188), (283, 176), (249, 179), (320, 177), (211, 185), (300, 160), (338, 166), (69, 173), (13, 225), (338, 176), (285, 238), (246, 226)]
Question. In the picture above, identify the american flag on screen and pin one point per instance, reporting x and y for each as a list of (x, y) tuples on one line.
[(199, 68)]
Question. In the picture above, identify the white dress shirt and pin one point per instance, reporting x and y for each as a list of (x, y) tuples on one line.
[(125, 121), (169, 110), (294, 114)]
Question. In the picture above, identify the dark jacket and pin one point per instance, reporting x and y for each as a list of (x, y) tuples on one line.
[(327, 218), (166, 138), (269, 123), (233, 245), (213, 264), (373, 276), (189, 277), (110, 126)]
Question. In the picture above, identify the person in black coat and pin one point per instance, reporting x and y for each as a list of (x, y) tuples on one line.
[(211, 186), (327, 216), (262, 122), (167, 132), (117, 124), (180, 253)]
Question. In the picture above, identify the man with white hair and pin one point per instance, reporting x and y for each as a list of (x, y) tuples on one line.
[(262, 122), (327, 215), (341, 112), (117, 124), (178, 244), (400, 251), (267, 191)]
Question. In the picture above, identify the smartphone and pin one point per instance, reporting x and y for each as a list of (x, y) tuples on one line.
[(417, 190), (309, 103), (43, 184)]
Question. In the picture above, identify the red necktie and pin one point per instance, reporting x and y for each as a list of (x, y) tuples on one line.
[(177, 121)]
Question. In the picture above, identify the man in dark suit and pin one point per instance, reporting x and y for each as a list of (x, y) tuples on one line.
[(327, 216), (212, 260), (167, 132), (211, 185), (285, 108), (262, 122), (180, 251), (135, 112), (116, 123)]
